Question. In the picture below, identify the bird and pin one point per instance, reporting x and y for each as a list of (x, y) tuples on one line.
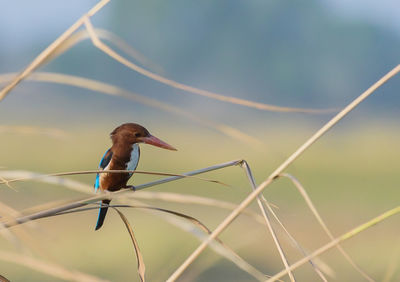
[(124, 154)]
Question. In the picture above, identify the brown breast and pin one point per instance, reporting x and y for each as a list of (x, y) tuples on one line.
[(116, 181)]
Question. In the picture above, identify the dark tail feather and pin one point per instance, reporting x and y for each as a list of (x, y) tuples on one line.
[(102, 214)]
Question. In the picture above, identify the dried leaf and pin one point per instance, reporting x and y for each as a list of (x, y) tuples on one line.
[(141, 266)]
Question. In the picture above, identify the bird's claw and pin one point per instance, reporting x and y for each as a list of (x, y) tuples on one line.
[(131, 187)]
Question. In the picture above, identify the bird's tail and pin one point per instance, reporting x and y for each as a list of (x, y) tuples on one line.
[(102, 213)]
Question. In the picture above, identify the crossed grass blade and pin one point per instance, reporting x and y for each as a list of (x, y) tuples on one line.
[(32, 69), (56, 48), (339, 240), (81, 35), (71, 37), (146, 195), (311, 206), (233, 215), (268, 223), (96, 198), (41, 58), (34, 176), (264, 205), (88, 21), (62, 208), (224, 251)]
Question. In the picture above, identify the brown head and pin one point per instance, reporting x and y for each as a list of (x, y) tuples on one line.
[(131, 133)]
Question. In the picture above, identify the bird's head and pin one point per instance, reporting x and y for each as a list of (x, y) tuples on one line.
[(131, 133)]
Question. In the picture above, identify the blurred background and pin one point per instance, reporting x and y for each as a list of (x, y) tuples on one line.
[(318, 55)]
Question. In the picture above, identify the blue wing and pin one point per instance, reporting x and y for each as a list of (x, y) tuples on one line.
[(105, 160)]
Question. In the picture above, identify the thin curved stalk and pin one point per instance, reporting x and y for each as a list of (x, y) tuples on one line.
[(147, 195), (231, 217), (237, 101), (311, 206), (140, 262), (281, 252), (41, 58), (109, 89), (218, 247), (339, 240), (96, 198), (80, 172)]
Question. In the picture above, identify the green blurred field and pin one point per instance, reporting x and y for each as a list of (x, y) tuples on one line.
[(351, 175)]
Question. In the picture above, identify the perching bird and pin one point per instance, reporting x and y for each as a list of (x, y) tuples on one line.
[(123, 155)]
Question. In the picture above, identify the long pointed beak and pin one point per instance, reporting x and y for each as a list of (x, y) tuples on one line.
[(152, 140)]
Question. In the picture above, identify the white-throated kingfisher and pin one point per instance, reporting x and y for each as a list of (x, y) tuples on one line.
[(123, 155)]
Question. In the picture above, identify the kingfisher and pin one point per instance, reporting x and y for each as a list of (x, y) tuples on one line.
[(123, 155)]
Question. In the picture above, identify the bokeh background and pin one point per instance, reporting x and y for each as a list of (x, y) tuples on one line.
[(311, 55)]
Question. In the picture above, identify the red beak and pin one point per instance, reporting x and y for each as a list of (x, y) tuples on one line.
[(152, 140)]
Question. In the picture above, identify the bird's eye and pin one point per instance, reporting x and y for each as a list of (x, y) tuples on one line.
[(137, 134)]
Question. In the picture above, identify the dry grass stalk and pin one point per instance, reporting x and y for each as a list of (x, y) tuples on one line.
[(50, 49), (228, 220), (261, 202), (5, 181), (257, 190), (113, 90), (141, 266), (268, 223), (20, 237), (62, 208), (147, 195), (35, 176), (218, 246), (81, 35), (318, 266), (64, 42), (191, 199), (260, 106), (222, 250), (339, 240), (311, 206), (83, 202), (180, 198)]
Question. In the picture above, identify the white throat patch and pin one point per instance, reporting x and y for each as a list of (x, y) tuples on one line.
[(135, 154)]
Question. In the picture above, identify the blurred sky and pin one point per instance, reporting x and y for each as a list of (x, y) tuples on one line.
[(20, 25), (383, 13), (317, 54)]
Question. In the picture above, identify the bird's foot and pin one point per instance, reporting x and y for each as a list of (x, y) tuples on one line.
[(131, 187)]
